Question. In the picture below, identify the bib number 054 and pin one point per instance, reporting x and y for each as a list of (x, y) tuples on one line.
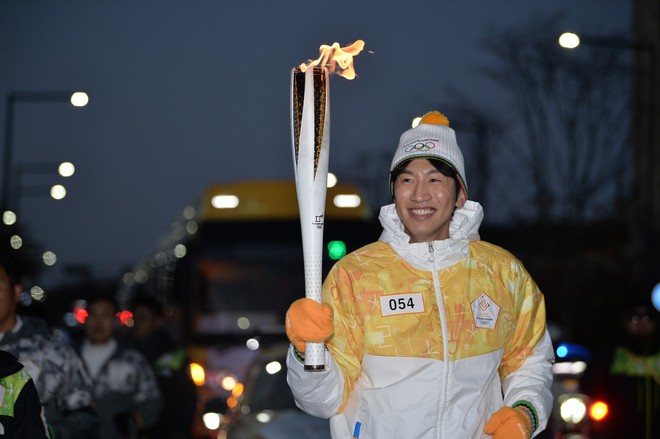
[(396, 304)]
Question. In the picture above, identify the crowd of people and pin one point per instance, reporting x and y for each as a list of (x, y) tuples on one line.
[(103, 384)]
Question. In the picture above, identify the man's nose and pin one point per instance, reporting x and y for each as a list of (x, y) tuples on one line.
[(421, 192)]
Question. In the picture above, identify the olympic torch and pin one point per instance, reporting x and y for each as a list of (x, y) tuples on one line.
[(310, 132), (310, 123)]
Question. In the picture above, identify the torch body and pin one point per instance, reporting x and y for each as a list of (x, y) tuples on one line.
[(310, 132)]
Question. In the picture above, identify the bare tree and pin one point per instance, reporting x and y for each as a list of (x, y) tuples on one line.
[(572, 108)]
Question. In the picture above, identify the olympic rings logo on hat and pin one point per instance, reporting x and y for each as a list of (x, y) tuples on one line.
[(419, 146)]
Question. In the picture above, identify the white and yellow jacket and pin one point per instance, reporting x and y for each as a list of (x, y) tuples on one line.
[(430, 339)]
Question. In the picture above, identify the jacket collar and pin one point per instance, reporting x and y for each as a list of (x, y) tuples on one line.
[(463, 228)]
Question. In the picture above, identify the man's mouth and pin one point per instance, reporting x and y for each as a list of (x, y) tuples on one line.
[(426, 211)]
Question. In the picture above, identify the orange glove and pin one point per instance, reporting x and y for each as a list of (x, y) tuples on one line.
[(508, 423), (308, 321)]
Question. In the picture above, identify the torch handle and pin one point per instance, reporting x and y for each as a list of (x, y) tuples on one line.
[(314, 352)]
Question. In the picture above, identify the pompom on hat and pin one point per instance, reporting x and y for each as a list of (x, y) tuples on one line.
[(432, 139)]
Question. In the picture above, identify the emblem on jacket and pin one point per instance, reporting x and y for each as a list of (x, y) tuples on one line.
[(484, 311)]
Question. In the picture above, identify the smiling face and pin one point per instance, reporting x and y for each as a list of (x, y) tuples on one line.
[(425, 200)]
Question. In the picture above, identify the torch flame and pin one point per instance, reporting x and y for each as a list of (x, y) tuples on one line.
[(337, 59)]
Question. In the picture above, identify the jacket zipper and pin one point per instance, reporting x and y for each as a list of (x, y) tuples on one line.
[(445, 342)]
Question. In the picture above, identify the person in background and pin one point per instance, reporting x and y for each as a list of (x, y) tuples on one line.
[(21, 413), (430, 332), (125, 389), (632, 386), (170, 363), (63, 385)]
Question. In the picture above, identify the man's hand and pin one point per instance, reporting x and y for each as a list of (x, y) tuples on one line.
[(508, 423), (308, 321)]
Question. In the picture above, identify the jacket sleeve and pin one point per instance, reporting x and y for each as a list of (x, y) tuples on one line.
[(526, 367), (323, 394), (318, 393)]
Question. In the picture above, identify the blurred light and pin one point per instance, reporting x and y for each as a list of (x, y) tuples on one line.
[(228, 382), (569, 368), (80, 314), (252, 344), (243, 323), (189, 212), (562, 351), (655, 296), (197, 374), (25, 299), (347, 200), (66, 169), (263, 417), (569, 40), (574, 351), (180, 250), (57, 192), (336, 250), (573, 409), (211, 420), (598, 410), (69, 319), (232, 402), (49, 258), (16, 242), (37, 293), (224, 201), (79, 99), (237, 391), (273, 367), (191, 227), (141, 276), (125, 317), (416, 121), (332, 180), (161, 258), (8, 217), (128, 279)]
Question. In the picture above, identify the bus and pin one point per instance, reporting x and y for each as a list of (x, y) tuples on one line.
[(233, 264)]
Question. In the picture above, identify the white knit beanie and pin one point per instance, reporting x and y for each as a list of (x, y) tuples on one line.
[(431, 139)]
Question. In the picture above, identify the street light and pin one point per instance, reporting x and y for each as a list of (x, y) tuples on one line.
[(77, 99), (56, 191)]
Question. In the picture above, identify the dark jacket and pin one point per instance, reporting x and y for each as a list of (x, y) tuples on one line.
[(21, 413)]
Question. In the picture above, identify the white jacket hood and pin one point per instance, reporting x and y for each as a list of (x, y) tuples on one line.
[(463, 228)]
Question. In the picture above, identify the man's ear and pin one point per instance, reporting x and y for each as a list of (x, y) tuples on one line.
[(18, 290), (461, 199)]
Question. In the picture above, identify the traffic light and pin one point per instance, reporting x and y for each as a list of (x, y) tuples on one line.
[(336, 250)]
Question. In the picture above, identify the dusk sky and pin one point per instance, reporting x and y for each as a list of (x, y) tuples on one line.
[(188, 93)]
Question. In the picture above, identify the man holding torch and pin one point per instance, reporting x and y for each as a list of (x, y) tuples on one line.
[(429, 332)]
